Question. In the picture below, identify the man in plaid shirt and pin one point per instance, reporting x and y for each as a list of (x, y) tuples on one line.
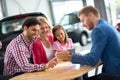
[(18, 55)]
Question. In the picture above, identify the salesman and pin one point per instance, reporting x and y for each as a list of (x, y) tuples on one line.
[(105, 46)]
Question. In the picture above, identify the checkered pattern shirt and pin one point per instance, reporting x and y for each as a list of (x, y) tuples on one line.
[(18, 57)]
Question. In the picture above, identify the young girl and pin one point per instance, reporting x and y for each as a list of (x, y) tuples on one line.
[(62, 42)]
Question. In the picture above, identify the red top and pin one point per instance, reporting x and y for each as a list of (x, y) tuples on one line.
[(39, 54)]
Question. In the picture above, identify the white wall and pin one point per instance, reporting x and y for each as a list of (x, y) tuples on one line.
[(25, 6)]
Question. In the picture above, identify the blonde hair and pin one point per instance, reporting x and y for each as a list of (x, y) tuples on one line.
[(44, 20), (89, 9)]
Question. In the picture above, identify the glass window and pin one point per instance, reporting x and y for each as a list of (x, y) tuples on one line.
[(69, 19), (65, 20), (0, 10), (115, 11), (74, 19), (11, 25), (61, 7), (90, 2)]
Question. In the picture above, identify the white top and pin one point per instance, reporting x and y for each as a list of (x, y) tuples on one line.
[(49, 52)]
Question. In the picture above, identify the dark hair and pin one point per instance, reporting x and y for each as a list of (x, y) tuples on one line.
[(30, 21), (59, 27)]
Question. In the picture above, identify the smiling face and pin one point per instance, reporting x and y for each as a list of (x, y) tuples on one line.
[(89, 17), (31, 32), (44, 29), (60, 35), (87, 21)]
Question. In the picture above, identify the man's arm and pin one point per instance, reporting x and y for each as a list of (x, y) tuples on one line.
[(22, 56)]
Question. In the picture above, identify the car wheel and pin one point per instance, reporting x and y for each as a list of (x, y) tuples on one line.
[(83, 39)]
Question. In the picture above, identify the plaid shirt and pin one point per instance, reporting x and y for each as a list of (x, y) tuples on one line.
[(18, 57)]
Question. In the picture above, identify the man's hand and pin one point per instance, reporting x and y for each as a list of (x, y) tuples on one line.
[(63, 55)]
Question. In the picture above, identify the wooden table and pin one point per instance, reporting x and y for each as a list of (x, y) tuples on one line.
[(62, 71)]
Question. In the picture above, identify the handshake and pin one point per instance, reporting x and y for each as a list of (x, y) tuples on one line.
[(60, 55)]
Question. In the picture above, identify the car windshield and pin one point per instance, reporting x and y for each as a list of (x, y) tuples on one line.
[(11, 25), (69, 19)]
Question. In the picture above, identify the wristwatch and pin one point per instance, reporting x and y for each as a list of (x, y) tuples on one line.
[(43, 67)]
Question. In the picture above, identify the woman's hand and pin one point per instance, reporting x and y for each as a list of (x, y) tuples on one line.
[(51, 63)]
